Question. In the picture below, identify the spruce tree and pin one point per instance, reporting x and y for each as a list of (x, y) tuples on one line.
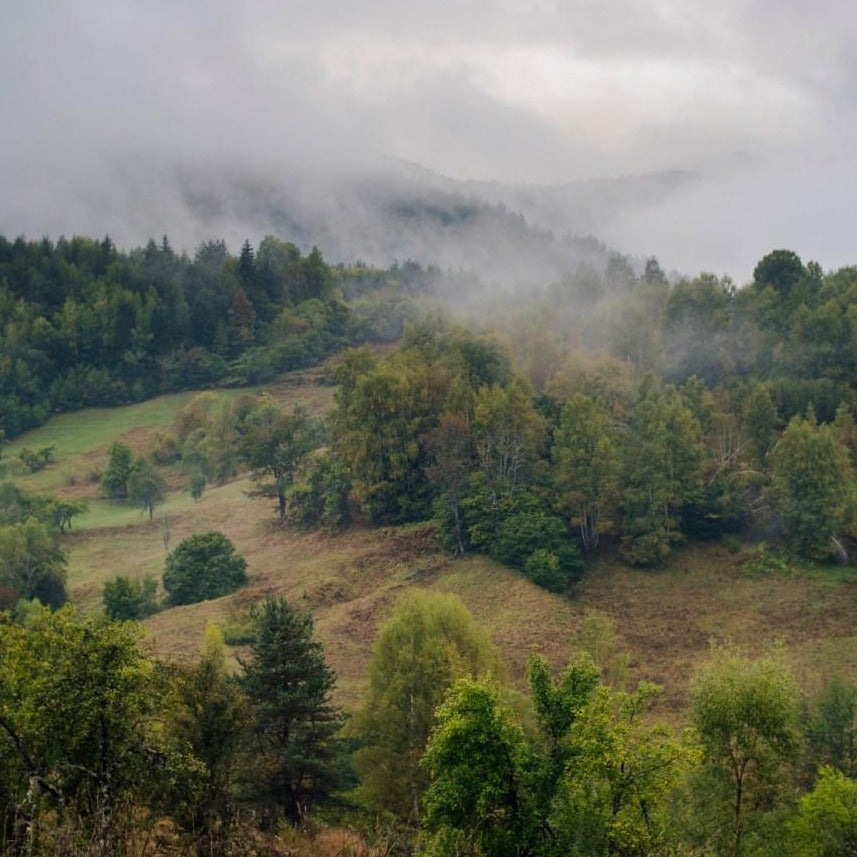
[(288, 684)]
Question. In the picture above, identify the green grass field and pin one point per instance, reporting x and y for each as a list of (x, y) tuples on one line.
[(664, 618)]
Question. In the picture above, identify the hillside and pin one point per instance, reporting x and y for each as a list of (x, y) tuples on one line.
[(664, 616)]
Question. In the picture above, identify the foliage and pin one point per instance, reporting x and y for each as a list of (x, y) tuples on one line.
[(76, 705), (509, 434), (294, 723), (811, 488), (745, 712), (146, 487), (39, 459), (781, 269), (662, 472), (129, 598), (276, 444), (477, 759), (452, 457), (763, 560), (760, 418), (558, 704), (120, 465), (208, 715), (87, 324), (62, 511), (598, 638), (209, 433), (384, 415), (519, 531), (32, 564), (825, 824), (203, 566), (197, 485), (428, 642), (617, 794), (832, 728), (17, 505), (586, 454), (320, 497)]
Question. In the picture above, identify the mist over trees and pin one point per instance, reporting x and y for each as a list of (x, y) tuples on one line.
[(612, 413), (611, 404)]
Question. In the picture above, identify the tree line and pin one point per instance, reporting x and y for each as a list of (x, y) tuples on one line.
[(83, 323), (444, 429)]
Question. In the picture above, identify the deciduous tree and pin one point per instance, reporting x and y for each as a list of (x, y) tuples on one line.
[(623, 773), (119, 468), (825, 824), (745, 712), (276, 444), (146, 487), (209, 716), (662, 471), (811, 488), (477, 760), (587, 477), (129, 598), (76, 730), (32, 564), (429, 641)]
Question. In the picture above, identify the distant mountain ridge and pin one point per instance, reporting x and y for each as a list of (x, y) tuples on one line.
[(579, 207), (507, 235), (382, 211)]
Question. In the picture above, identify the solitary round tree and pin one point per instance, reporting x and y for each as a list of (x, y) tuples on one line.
[(203, 566)]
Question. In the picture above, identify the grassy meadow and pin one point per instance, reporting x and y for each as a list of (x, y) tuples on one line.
[(664, 618)]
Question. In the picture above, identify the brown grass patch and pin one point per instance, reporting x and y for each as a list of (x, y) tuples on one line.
[(350, 582)]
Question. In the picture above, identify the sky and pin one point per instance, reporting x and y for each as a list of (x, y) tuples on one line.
[(757, 96)]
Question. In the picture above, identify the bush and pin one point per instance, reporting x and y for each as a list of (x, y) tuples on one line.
[(203, 566), (39, 459), (119, 467), (543, 568), (125, 598), (197, 484), (320, 498), (520, 533)]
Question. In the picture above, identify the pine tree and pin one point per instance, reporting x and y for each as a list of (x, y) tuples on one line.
[(295, 723)]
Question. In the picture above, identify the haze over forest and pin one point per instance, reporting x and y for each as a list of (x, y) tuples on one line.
[(705, 134)]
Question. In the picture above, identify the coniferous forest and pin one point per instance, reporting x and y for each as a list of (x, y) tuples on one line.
[(615, 414)]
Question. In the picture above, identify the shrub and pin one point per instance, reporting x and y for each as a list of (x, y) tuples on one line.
[(197, 484), (320, 498), (125, 598), (203, 566), (543, 568), (119, 467)]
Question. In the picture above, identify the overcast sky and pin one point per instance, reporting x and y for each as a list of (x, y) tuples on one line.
[(539, 91)]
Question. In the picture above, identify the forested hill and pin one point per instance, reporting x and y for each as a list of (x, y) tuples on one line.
[(604, 418), (382, 213), (397, 214), (690, 384), (84, 323)]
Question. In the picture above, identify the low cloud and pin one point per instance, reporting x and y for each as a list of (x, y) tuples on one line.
[(101, 98)]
